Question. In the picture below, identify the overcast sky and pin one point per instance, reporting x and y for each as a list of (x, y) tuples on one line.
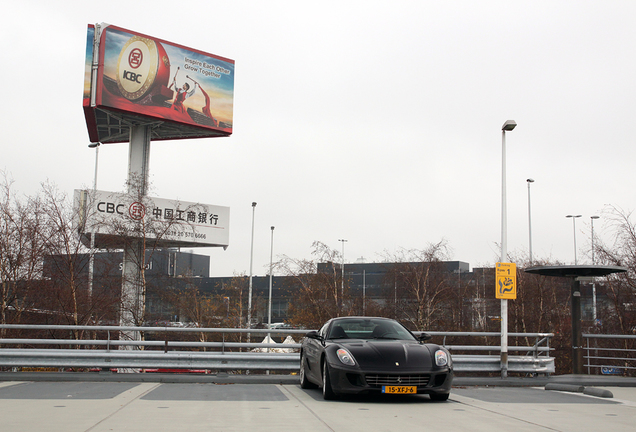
[(371, 121)]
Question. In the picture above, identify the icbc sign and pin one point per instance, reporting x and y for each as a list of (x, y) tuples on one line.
[(141, 62), (135, 58), (114, 217), (109, 207), (137, 211)]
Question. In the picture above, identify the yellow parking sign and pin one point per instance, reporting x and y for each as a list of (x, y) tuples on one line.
[(506, 276)]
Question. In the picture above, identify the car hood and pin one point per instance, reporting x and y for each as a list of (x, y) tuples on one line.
[(390, 355)]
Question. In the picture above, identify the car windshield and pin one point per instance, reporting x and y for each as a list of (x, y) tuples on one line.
[(368, 328)]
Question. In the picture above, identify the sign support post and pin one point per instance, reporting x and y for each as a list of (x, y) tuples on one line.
[(133, 294)]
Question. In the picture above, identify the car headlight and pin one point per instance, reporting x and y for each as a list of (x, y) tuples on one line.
[(345, 357), (442, 358)]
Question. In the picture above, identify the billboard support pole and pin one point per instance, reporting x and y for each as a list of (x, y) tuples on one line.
[(133, 294)]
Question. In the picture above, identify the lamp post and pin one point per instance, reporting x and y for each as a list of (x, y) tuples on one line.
[(593, 282), (343, 274), (529, 220), (364, 292), (574, 217), (509, 125), (271, 269), (249, 299), (91, 259)]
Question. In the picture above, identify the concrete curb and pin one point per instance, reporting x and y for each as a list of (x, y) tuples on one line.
[(573, 388), (598, 392)]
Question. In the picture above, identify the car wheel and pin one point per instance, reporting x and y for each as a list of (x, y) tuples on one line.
[(304, 382), (439, 397), (327, 391)]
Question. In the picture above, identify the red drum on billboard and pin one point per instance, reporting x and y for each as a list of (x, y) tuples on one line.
[(143, 68), (130, 77)]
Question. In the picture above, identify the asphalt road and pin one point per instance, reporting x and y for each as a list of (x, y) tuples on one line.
[(71, 406)]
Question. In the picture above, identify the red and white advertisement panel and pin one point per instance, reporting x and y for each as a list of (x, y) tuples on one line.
[(113, 217), (128, 73)]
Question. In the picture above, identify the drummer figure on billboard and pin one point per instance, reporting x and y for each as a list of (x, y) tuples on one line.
[(182, 94)]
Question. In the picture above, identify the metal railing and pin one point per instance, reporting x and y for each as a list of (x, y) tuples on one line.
[(610, 354), (534, 359), (51, 346)]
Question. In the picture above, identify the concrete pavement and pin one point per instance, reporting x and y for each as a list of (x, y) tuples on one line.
[(268, 405)]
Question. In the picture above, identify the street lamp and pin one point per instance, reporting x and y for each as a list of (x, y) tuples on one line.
[(574, 226), (593, 282), (592, 220), (249, 300), (343, 274), (529, 220), (509, 125), (271, 269)]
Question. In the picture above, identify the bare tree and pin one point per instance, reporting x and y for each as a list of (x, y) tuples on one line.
[(621, 287), (421, 285), (317, 294), (62, 241), (20, 250)]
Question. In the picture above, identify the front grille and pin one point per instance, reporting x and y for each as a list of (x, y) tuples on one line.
[(411, 380)]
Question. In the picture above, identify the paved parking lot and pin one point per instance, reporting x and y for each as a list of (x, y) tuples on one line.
[(134, 406)]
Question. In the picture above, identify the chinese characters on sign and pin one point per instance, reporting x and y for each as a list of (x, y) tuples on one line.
[(190, 216)]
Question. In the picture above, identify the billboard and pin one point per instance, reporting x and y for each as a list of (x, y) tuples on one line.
[(114, 218), (182, 92)]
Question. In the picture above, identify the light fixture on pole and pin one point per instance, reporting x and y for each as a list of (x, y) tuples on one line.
[(509, 125), (594, 316), (249, 299), (574, 227), (343, 273), (529, 221), (91, 260)]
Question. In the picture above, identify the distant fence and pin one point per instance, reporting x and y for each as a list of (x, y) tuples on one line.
[(610, 354), (56, 346)]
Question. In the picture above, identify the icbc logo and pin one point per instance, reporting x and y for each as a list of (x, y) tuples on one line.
[(109, 207), (137, 211), (131, 76), (135, 58)]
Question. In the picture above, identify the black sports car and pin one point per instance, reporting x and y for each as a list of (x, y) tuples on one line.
[(358, 355)]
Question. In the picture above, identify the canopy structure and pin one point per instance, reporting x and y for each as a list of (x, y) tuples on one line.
[(575, 272)]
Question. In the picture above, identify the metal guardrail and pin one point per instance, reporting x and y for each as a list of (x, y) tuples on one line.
[(165, 353), (608, 358), (537, 359)]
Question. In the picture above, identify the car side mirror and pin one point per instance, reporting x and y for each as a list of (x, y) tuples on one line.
[(313, 335), (423, 337)]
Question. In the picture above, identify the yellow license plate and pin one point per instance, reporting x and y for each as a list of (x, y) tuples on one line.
[(399, 389)]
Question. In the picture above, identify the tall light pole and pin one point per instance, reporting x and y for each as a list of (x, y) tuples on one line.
[(343, 274), (529, 220), (91, 259), (271, 270), (593, 282), (249, 299), (509, 125), (574, 227)]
